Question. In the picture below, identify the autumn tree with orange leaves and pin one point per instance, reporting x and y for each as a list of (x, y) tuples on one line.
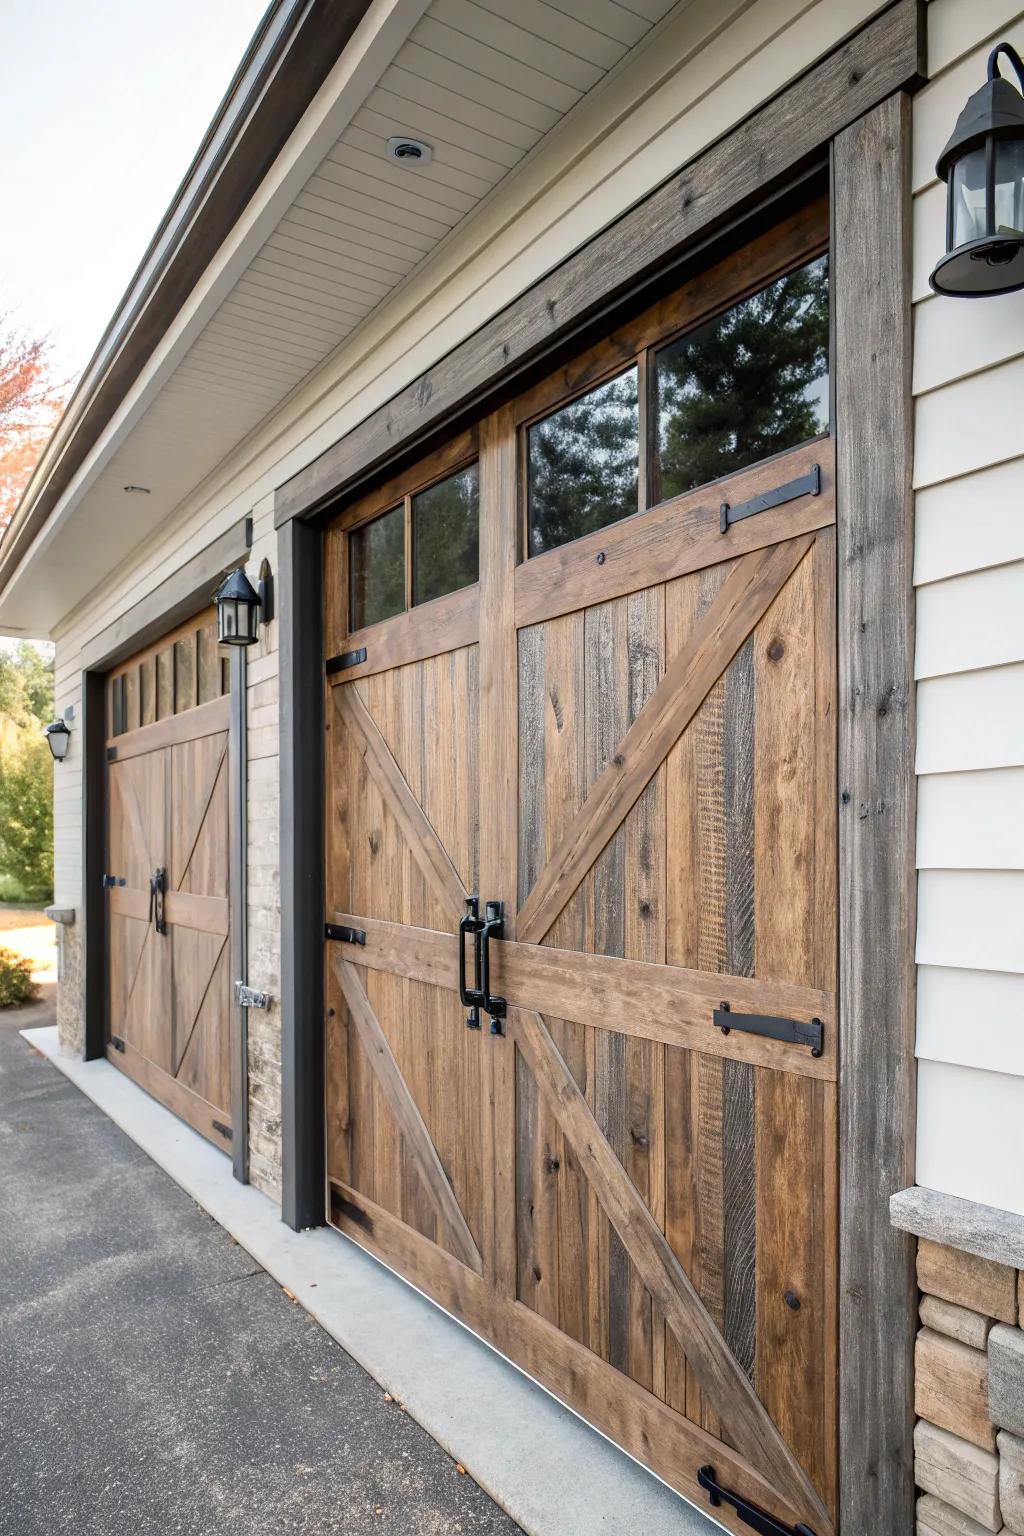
[(31, 401)]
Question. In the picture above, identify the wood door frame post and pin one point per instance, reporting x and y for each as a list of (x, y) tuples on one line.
[(301, 728), (872, 214), (238, 859)]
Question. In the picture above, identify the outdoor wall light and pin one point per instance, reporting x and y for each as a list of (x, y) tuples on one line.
[(238, 610), (983, 168), (58, 739)]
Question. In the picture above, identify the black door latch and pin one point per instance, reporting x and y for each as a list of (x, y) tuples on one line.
[(109, 881), (157, 891), (481, 930), (758, 1519)]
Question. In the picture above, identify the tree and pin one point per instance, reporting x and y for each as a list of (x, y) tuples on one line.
[(31, 401), (26, 773)]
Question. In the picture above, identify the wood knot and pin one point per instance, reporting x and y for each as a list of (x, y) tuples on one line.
[(776, 650), (618, 760)]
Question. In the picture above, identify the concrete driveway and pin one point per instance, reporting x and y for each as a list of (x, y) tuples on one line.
[(154, 1379)]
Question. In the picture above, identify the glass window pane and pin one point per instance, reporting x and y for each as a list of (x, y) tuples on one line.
[(582, 464), (747, 384), (446, 536), (376, 569), (1009, 187)]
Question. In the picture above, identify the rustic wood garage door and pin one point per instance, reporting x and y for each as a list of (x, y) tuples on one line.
[(606, 721), (169, 984)]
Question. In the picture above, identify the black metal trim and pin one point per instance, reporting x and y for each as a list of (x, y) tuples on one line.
[(805, 485), (300, 666), (223, 1130), (93, 912), (791, 1031), (344, 934), (750, 1514), (347, 659)]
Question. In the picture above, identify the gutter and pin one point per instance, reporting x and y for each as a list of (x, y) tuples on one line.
[(294, 48)]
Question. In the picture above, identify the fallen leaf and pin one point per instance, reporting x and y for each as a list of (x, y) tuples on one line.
[(460, 1469)]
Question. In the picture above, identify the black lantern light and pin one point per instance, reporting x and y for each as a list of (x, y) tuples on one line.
[(983, 168), (238, 610), (58, 739)]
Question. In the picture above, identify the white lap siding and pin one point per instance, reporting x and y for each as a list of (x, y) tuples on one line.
[(969, 572)]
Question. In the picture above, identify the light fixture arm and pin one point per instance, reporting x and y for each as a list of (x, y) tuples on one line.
[(1015, 59)]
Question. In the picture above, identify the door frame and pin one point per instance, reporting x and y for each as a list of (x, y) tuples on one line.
[(184, 593), (851, 110)]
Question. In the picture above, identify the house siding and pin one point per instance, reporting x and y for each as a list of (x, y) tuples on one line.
[(704, 69), (969, 577)]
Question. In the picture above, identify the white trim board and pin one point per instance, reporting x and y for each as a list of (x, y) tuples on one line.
[(551, 1472)]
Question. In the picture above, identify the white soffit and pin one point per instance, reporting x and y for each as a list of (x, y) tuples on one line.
[(482, 91)]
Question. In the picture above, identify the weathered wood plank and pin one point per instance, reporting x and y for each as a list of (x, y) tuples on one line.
[(666, 1003), (424, 843), (204, 720), (748, 590), (873, 350), (721, 1377), (415, 1136)]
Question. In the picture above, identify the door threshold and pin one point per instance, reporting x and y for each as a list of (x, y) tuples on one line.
[(552, 1473)]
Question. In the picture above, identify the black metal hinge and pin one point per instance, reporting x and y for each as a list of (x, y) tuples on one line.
[(117, 1043), (348, 659), (222, 1129), (792, 1031), (758, 1519), (343, 934), (109, 881), (806, 485)]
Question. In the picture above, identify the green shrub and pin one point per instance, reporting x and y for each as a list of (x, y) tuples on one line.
[(26, 810), (16, 984)]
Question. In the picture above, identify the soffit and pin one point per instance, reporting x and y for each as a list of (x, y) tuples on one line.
[(482, 90)]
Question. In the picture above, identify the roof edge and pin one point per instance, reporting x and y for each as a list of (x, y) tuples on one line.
[(291, 53)]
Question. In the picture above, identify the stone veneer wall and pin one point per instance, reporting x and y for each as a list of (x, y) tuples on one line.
[(70, 988), (969, 1394)]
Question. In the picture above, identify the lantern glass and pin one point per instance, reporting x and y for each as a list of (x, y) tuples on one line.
[(967, 198), (1009, 187)]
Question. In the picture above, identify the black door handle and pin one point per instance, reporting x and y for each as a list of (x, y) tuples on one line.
[(470, 997), (157, 888), (494, 924)]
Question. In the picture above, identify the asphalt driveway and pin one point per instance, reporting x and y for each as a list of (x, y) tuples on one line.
[(154, 1379)]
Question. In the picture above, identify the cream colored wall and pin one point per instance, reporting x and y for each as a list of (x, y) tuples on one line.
[(969, 573), (708, 66)]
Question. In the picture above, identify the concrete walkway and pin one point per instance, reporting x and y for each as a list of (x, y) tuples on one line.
[(154, 1380)]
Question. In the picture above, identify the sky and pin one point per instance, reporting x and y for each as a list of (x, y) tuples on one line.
[(102, 106)]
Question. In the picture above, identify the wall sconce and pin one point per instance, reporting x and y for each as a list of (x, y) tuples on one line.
[(58, 739), (265, 588), (238, 610), (983, 168)]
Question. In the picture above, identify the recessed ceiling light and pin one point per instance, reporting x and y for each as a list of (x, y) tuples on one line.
[(410, 153), (137, 490)]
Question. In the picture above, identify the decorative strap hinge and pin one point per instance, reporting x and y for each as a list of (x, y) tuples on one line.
[(347, 659), (343, 934), (806, 485), (790, 1031), (758, 1519)]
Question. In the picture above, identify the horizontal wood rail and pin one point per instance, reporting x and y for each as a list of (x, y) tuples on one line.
[(205, 720), (668, 1003), (208, 914), (432, 629), (189, 1106), (675, 538)]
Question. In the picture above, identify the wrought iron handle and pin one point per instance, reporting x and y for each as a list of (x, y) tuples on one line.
[(157, 888), (758, 1519), (494, 924), (470, 997)]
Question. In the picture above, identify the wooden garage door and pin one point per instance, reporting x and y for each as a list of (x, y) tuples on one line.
[(619, 726), (169, 983)]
